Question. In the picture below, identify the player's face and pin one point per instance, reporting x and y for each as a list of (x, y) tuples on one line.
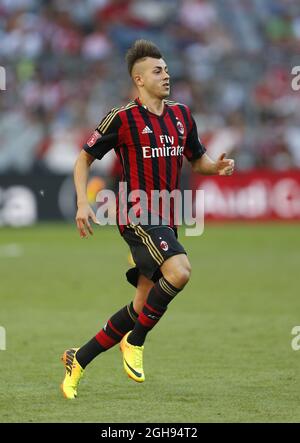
[(154, 77)]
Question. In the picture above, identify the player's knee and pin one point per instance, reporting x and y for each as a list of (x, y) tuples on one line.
[(183, 276), (180, 276)]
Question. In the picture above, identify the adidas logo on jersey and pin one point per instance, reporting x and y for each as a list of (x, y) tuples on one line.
[(147, 130)]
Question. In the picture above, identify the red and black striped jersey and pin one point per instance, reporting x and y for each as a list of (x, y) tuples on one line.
[(149, 147)]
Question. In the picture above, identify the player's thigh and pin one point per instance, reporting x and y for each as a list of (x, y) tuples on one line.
[(143, 287)]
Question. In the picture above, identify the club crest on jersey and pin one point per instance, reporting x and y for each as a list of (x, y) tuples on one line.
[(92, 140), (180, 127), (164, 245)]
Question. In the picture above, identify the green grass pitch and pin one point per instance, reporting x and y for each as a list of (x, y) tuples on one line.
[(222, 353)]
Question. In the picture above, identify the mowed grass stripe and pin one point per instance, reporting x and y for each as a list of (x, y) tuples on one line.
[(221, 353)]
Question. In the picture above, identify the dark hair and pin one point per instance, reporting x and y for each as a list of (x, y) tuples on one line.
[(139, 50)]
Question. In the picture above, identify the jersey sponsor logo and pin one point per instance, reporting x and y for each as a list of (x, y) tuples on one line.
[(164, 245), (147, 130), (92, 140), (180, 127), (162, 151), (167, 148)]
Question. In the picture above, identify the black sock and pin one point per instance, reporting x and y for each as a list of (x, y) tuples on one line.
[(113, 331), (158, 299)]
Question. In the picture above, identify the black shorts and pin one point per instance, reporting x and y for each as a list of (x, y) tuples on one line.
[(150, 247)]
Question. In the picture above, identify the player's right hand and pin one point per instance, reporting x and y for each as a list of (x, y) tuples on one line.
[(84, 227)]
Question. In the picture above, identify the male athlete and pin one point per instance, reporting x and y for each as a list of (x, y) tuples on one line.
[(150, 137)]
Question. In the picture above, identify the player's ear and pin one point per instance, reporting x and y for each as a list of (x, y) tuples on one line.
[(138, 80)]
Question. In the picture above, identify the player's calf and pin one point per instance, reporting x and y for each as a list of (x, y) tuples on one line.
[(162, 293)]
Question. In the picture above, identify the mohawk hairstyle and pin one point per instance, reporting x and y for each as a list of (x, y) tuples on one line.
[(139, 50)]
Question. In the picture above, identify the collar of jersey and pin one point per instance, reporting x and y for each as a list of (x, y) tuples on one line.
[(144, 108)]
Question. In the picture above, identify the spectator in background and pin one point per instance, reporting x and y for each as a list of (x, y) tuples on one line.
[(59, 54)]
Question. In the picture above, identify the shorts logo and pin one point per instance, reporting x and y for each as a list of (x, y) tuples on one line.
[(92, 140), (164, 245), (180, 127)]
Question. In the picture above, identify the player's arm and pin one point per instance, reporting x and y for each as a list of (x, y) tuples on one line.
[(104, 138), (206, 166), (201, 162), (84, 211)]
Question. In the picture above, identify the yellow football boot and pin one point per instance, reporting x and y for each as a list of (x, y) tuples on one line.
[(130, 260), (74, 372), (132, 359)]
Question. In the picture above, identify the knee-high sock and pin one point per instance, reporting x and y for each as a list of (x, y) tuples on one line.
[(112, 332), (158, 299)]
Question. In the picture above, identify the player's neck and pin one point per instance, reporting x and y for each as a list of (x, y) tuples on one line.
[(153, 104)]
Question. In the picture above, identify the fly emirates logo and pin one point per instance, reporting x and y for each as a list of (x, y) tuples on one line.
[(166, 150)]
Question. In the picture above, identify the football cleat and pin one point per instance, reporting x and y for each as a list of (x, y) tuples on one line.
[(132, 359), (74, 372)]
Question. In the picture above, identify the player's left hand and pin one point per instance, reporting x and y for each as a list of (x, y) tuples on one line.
[(224, 166)]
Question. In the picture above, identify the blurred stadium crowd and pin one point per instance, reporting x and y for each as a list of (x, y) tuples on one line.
[(230, 61)]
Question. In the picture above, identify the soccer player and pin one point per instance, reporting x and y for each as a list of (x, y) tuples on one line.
[(150, 136)]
